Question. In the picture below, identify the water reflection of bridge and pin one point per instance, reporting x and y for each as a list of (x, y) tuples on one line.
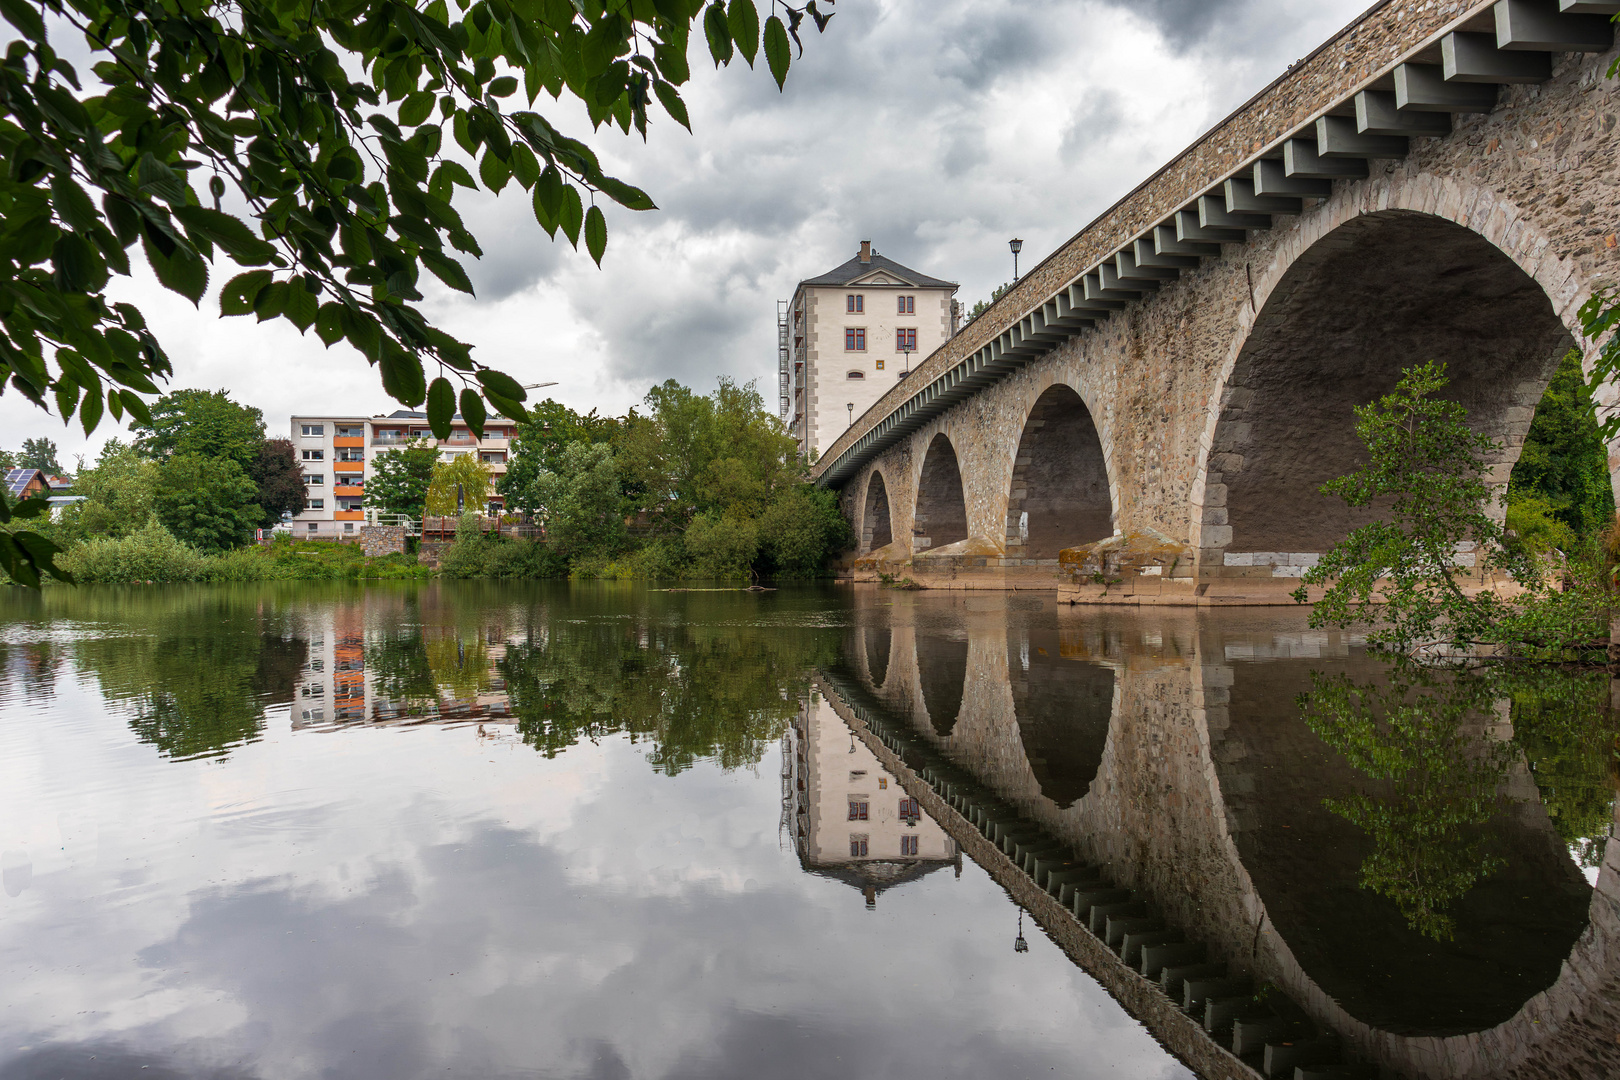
[(1163, 757)]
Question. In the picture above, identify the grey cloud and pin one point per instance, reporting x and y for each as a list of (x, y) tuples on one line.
[(1098, 118), (105, 1060)]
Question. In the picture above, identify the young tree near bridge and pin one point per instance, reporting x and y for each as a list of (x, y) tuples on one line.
[(350, 182), (400, 478)]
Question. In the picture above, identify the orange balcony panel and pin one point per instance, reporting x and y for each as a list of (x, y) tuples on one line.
[(348, 440), (349, 466), (348, 515), (349, 489)]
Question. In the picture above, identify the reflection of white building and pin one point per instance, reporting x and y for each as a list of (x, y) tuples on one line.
[(850, 818), (337, 686)]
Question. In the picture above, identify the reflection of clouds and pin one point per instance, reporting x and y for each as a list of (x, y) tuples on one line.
[(395, 903)]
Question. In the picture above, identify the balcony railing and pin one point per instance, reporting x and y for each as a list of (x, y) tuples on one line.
[(390, 440)]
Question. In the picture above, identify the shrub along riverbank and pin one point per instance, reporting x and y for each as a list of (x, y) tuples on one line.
[(152, 554)]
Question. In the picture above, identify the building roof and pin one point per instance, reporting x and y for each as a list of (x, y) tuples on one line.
[(855, 271), (17, 481)]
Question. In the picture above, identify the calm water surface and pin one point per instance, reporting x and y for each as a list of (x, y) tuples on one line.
[(554, 831)]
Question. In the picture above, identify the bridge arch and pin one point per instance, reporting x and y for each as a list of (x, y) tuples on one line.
[(1061, 495), (941, 514), (1355, 295), (877, 529)]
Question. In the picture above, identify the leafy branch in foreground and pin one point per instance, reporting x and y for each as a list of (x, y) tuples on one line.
[(24, 555), (343, 129)]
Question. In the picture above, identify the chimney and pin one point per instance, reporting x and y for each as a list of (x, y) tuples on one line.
[(866, 251)]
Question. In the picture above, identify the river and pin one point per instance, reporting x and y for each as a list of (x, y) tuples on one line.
[(604, 830)]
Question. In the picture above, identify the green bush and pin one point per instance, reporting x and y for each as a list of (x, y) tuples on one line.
[(1534, 521), (722, 547), (152, 553), (801, 530)]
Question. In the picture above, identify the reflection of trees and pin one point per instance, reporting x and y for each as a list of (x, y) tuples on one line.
[(1572, 744), (1423, 740), (697, 691), (197, 666)]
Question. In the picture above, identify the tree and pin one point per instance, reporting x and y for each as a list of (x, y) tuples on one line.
[(118, 493), (466, 473), (801, 529), (325, 123), (718, 455), (1563, 468), (539, 443), (207, 502), (279, 479), (8, 460), (581, 501), (400, 478), (39, 454), (1427, 466), (205, 422)]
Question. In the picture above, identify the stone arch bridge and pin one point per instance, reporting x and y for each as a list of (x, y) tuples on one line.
[(1174, 384)]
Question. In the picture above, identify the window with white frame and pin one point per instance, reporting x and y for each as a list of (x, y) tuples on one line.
[(314, 455), (315, 479)]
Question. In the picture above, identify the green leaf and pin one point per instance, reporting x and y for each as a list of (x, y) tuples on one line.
[(237, 297), (671, 100), (300, 306), (505, 86), (441, 406), (524, 166), (494, 172), (416, 108), (777, 53), (67, 398), (498, 382), (743, 20), (90, 409), (25, 17), (78, 267), (718, 33), (472, 410), (135, 406), (595, 233), (230, 233), (455, 174), (329, 323), (183, 271), (447, 270), (625, 194), (402, 376), (72, 205), (573, 214)]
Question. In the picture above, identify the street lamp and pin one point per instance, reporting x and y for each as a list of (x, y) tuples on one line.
[(851, 408), (906, 372), (1017, 245)]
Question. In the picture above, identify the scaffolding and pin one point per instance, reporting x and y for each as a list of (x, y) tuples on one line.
[(784, 378)]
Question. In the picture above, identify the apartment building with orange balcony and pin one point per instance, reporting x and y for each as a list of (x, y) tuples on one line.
[(338, 454)]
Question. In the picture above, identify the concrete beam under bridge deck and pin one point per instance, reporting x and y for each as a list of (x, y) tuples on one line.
[(1154, 762), (1436, 182)]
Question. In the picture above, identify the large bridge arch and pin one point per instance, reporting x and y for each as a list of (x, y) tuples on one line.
[(877, 521), (941, 515), (1061, 494), (1382, 276)]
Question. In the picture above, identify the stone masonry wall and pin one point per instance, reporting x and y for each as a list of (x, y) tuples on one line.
[(379, 540)]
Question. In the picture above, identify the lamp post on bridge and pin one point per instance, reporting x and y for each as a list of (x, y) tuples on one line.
[(1017, 245)]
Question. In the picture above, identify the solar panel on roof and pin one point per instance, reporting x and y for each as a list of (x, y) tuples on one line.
[(17, 481)]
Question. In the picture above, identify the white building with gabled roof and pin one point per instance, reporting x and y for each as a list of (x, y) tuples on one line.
[(850, 335)]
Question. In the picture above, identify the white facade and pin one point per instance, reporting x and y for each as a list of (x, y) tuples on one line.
[(853, 333), (337, 453)]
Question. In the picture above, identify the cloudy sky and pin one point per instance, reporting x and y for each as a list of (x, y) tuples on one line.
[(935, 128)]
